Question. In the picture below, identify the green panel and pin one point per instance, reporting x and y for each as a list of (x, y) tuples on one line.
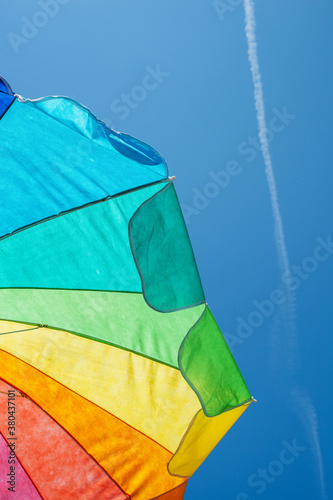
[(122, 319), (163, 253), (85, 249), (209, 367)]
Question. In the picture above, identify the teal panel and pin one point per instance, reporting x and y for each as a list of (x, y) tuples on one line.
[(85, 249), (164, 255)]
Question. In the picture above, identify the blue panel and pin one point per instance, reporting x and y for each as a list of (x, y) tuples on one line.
[(5, 101), (6, 98), (5, 87), (56, 155)]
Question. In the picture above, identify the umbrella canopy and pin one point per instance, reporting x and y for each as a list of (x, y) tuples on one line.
[(116, 381)]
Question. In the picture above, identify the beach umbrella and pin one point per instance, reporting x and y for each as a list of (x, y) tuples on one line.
[(115, 379)]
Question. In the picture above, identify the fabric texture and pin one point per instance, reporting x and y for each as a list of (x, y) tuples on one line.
[(106, 342)]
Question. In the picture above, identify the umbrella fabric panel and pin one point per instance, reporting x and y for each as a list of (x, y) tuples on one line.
[(58, 465), (209, 367), (201, 438), (77, 117), (4, 87), (57, 156), (134, 461), (121, 319), (143, 393), (164, 255), (175, 494), (22, 484), (5, 101), (125, 320), (85, 249)]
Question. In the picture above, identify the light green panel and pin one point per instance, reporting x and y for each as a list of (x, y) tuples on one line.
[(122, 319)]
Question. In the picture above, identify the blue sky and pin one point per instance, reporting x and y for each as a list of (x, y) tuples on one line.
[(197, 109)]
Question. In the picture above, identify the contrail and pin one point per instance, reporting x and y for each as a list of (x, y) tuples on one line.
[(260, 108), (310, 420), (305, 408)]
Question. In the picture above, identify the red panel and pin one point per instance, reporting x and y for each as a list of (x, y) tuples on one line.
[(58, 466)]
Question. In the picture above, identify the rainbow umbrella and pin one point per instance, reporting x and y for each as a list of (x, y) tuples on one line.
[(115, 379)]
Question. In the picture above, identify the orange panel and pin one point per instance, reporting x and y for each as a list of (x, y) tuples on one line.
[(135, 462), (175, 494), (44, 448)]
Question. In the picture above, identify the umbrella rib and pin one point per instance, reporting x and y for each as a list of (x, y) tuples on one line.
[(89, 204)]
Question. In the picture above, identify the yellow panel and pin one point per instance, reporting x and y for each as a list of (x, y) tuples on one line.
[(203, 435), (136, 463), (144, 393)]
